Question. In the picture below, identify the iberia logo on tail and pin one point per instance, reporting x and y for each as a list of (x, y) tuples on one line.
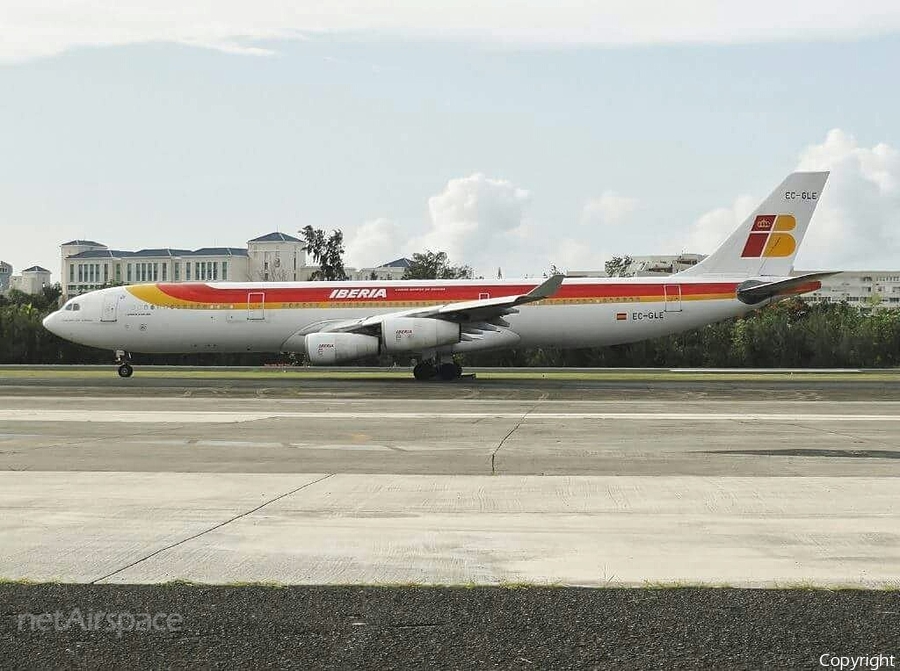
[(769, 236)]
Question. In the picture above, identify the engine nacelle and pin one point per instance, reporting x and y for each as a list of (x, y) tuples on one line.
[(415, 334), (324, 349)]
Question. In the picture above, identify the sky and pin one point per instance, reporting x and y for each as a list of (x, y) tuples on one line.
[(513, 136)]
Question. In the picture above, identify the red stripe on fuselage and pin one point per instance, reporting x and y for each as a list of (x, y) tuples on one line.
[(204, 293)]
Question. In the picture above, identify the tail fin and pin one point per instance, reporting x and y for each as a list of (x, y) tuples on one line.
[(767, 242)]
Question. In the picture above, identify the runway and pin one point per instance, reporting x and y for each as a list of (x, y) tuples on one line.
[(505, 483)]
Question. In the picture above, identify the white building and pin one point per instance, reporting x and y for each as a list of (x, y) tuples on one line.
[(88, 265), (99, 266), (393, 270), (5, 273), (648, 266), (863, 289), (277, 257), (31, 281), (72, 248)]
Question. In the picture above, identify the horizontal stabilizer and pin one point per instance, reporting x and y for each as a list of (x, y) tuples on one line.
[(755, 291)]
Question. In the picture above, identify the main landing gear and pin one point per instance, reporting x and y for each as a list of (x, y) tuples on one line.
[(428, 370), (123, 358)]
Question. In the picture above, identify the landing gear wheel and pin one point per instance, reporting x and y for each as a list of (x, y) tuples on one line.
[(125, 370), (448, 371), (423, 371)]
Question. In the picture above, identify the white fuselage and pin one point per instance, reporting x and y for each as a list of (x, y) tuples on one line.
[(273, 317)]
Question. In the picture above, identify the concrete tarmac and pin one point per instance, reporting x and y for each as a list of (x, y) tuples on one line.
[(465, 436), (496, 485)]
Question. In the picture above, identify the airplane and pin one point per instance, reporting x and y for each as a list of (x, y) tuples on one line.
[(339, 322)]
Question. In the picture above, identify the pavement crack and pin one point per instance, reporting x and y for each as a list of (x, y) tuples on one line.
[(212, 528), (858, 439), (511, 432)]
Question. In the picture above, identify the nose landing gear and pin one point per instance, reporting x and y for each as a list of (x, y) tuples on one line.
[(123, 358)]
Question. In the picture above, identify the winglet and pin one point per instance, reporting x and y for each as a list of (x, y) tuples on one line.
[(544, 290)]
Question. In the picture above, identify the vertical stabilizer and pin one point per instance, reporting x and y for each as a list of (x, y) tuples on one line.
[(768, 240)]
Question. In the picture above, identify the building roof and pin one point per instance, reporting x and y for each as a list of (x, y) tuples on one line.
[(276, 237), (166, 251), (35, 269), (218, 251), (82, 242), (402, 262), (5, 266), (157, 253), (100, 254)]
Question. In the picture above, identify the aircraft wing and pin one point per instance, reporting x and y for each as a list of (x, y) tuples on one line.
[(482, 310)]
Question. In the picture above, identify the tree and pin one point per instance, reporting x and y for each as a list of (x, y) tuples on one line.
[(46, 300), (327, 253), (873, 301), (430, 265), (617, 265)]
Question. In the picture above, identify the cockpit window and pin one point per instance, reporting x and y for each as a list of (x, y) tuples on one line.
[(76, 307), (68, 307)]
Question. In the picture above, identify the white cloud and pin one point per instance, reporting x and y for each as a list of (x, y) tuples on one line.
[(577, 254), (857, 222), (34, 28), (476, 220), (483, 222), (372, 243), (609, 209), (711, 229)]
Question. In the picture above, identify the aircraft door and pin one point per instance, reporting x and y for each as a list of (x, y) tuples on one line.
[(110, 308), (673, 297), (256, 305)]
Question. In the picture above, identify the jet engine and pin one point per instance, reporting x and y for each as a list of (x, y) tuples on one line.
[(415, 334), (324, 349)]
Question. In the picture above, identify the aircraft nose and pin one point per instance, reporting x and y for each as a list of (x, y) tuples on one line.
[(50, 322)]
